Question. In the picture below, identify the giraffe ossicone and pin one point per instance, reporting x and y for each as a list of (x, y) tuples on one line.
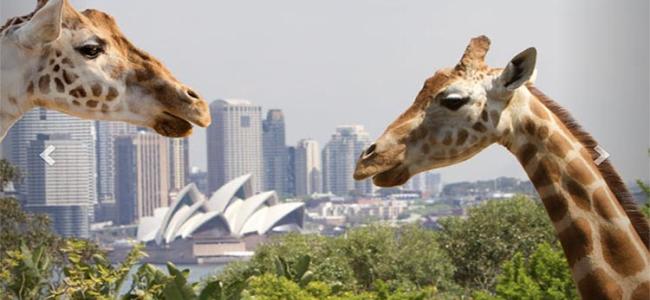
[(81, 64), (462, 110)]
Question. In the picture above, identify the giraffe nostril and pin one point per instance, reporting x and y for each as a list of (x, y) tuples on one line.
[(192, 94), (370, 151)]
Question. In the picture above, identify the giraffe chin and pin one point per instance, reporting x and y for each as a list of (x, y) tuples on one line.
[(169, 125), (398, 175)]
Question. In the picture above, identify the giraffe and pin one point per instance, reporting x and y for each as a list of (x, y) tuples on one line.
[(80, 64), (464, 109)]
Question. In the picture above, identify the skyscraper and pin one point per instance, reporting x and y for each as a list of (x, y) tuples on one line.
[(179, 163), (339, 159), (275, 152), (290, 188), (64, 190), (308, 170), (42, 121), (143, 168), (234, 143), (105, 146)]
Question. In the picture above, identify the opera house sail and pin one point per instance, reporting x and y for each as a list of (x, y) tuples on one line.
[(230, 212)]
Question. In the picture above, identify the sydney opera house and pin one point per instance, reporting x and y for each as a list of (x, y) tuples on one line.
[(228, 223)]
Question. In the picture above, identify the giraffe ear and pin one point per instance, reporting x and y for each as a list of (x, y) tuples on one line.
[(45, 25), (519, 70)]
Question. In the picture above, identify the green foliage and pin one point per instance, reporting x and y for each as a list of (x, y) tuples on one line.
[(405, 258), (25, 273), (545, 275), (19, 228), (491, 234), (8, 173), (645, 209), (90, 275)]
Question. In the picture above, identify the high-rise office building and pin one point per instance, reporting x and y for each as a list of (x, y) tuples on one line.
[(275, 152), (42, 121), (143, 160), (234, 143), (290, 188), (65, 189), (308, 170), (416, 183), (433, 183), (105, 147), (179, 163), (339, 159)]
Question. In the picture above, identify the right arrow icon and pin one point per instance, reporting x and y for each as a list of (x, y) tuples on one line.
[(45, 155), (603, 155)]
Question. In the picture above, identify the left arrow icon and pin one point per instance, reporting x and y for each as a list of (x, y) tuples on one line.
[(45, 155)]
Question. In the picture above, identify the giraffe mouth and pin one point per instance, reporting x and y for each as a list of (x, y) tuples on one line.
[(394, 176), (170, 125)]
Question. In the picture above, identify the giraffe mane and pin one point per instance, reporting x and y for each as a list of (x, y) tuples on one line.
[(612, 178)]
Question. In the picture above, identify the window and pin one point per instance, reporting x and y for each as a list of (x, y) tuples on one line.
[(245, 121)]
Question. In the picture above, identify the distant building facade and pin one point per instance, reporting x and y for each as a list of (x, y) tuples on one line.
[(64, 190), (339, 159), (234, 143), (143, 175), (275, 152), (105, 160), (308, 168), (179, 163)]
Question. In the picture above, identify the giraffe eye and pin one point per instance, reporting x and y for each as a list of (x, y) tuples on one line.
[(454, 103), (90, 51)]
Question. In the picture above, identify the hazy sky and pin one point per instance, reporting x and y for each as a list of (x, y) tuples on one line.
[(336, 62)]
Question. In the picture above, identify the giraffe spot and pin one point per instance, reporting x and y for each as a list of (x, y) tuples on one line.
[(56, 68), (67, 61), (92, 103), (576, 241), (41, 68), (530, 127), (527, 153), (78, 92), (462, 137), (69, 78), (432, 139), (75, 102), (112, 94), (448, 139), (44, 84), (105, 108), (51, 62), (96, 89), (452, 152), (478, 126), (619, 251), (484, 115), (601, 199), (57, 53), (547, 173), (542, 132), (30, 88), (578, 193), (425, 148), (494, 116), (598, 285), (59, 85), (539, 110), (642, 292), (556, 207), (579, 171), (558, 145)]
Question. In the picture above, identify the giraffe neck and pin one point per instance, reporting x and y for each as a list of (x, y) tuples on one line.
[(607, 257)]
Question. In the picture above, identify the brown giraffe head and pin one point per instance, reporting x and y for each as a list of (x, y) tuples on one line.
[(458, 112), (84, 66)]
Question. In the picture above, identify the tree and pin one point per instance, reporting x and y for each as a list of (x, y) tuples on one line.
[(545, 275), (19, 228), (491, 234), (645, 209), (8, 173)]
